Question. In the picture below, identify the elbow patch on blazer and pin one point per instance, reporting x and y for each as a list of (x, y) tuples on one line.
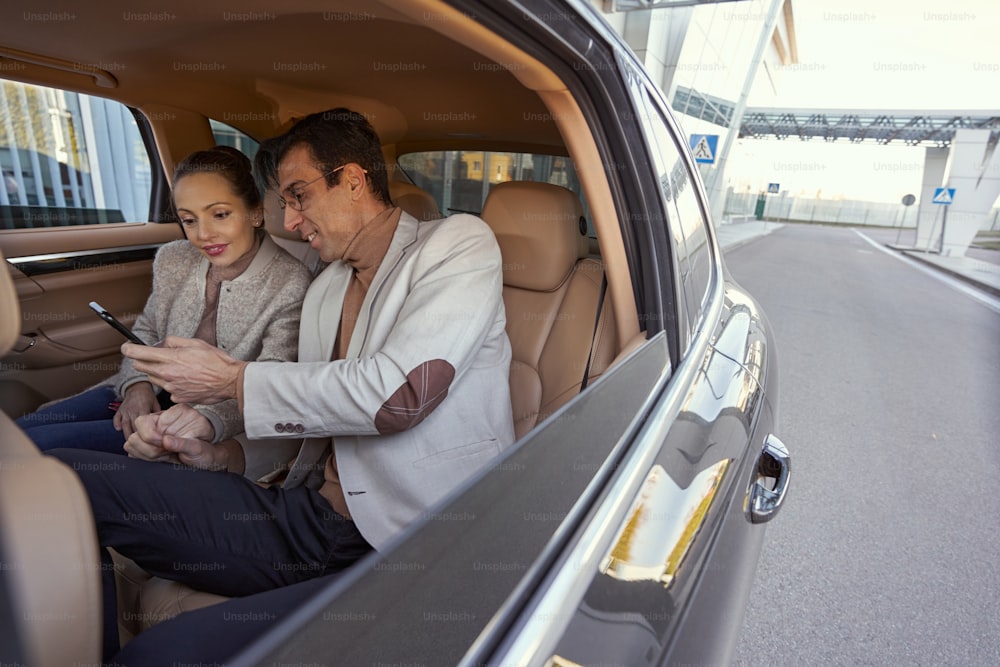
[(425, 387)]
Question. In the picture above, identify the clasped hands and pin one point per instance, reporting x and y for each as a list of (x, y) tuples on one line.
[(193, 372)]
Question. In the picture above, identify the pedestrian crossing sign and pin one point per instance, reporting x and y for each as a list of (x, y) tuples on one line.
[(703, 147), (944, 196)]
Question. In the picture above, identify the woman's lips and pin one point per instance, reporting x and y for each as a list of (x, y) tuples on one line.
[(214, 250)]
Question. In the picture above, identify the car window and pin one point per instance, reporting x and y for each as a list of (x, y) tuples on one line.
[(227, 135), (69, 159), (685, 218), (460, 180)]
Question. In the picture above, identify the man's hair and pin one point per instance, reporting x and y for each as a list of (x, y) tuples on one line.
[(265, 164), (335, 138)]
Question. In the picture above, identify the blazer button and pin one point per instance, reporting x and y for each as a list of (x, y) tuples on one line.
[(289, 428), (280, 428), (299, 428)]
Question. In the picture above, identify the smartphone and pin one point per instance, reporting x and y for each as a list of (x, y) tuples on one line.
[(110, 319)]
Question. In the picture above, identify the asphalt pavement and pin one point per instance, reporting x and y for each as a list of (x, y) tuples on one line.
[(885, 552), (979, 268)]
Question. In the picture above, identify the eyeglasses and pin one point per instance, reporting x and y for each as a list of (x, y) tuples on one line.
[(297, 204)]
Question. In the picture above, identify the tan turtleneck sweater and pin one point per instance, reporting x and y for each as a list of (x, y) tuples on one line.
[(364, 254)]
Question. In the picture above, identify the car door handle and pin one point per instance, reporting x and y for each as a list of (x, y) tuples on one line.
[(25, 342), (770, 483)]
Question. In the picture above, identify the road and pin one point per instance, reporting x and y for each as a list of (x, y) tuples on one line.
[(887, 551)]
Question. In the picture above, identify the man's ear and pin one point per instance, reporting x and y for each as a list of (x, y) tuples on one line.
[(357, 179)]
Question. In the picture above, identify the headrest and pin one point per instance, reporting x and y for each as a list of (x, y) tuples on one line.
[(538, 228), (414, 200), (10, 309)]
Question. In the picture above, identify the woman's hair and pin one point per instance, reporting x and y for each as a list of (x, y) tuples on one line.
[(227, 162)]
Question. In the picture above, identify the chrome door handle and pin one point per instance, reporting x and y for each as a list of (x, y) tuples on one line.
[(767, 491)]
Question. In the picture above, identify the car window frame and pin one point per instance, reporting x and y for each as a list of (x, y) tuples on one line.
[(160, 201), (693, 317)]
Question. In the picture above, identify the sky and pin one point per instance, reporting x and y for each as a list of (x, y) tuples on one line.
[(895, 54), (877, 54)]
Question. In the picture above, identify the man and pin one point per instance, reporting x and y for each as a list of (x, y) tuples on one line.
[(403, 361)]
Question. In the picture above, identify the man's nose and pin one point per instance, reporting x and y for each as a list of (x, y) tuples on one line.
[(293, 219)]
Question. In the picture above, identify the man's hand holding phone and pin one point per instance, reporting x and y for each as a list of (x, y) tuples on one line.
[(190, 369)]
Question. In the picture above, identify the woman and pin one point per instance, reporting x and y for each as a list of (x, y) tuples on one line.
[(228, 284)]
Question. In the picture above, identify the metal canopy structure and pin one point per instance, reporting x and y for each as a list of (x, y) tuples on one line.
[(910, 127)]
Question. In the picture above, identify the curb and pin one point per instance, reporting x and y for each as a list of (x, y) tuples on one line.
[(733, 245), (955, 274)]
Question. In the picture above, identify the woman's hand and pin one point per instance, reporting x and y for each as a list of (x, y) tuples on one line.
[(139, 400), (182, 435)]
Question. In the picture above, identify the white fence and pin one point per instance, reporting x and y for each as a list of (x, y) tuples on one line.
[(831, 211)]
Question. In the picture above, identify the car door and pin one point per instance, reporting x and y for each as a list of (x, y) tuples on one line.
[(82, 186), (662, 572)]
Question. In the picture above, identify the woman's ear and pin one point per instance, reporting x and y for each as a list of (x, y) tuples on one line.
[(257, 217)]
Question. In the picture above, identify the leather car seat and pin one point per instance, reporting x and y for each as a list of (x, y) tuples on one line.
[(414, 200), (48, 542), (551, 291)]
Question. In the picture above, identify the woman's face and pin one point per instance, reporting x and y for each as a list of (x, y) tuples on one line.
[(215, 219)]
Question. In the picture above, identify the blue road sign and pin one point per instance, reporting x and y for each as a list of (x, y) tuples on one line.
[(703, 147), (772, 188), (944, 196)]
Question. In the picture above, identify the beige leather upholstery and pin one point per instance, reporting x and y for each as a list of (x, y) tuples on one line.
[(47, 537), (10, 310), (145, 600), (414, 200), (551, 290)]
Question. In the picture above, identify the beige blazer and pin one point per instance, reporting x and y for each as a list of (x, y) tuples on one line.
[(431, 329)]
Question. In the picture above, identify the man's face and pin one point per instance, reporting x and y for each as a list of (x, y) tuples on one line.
[(329, 218)]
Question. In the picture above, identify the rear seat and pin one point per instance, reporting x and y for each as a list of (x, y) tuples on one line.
[(551, 289)]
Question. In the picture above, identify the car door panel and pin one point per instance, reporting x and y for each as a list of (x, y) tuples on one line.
[(58, 272)]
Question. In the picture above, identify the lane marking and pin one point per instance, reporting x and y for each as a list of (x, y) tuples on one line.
[(982, 297)]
